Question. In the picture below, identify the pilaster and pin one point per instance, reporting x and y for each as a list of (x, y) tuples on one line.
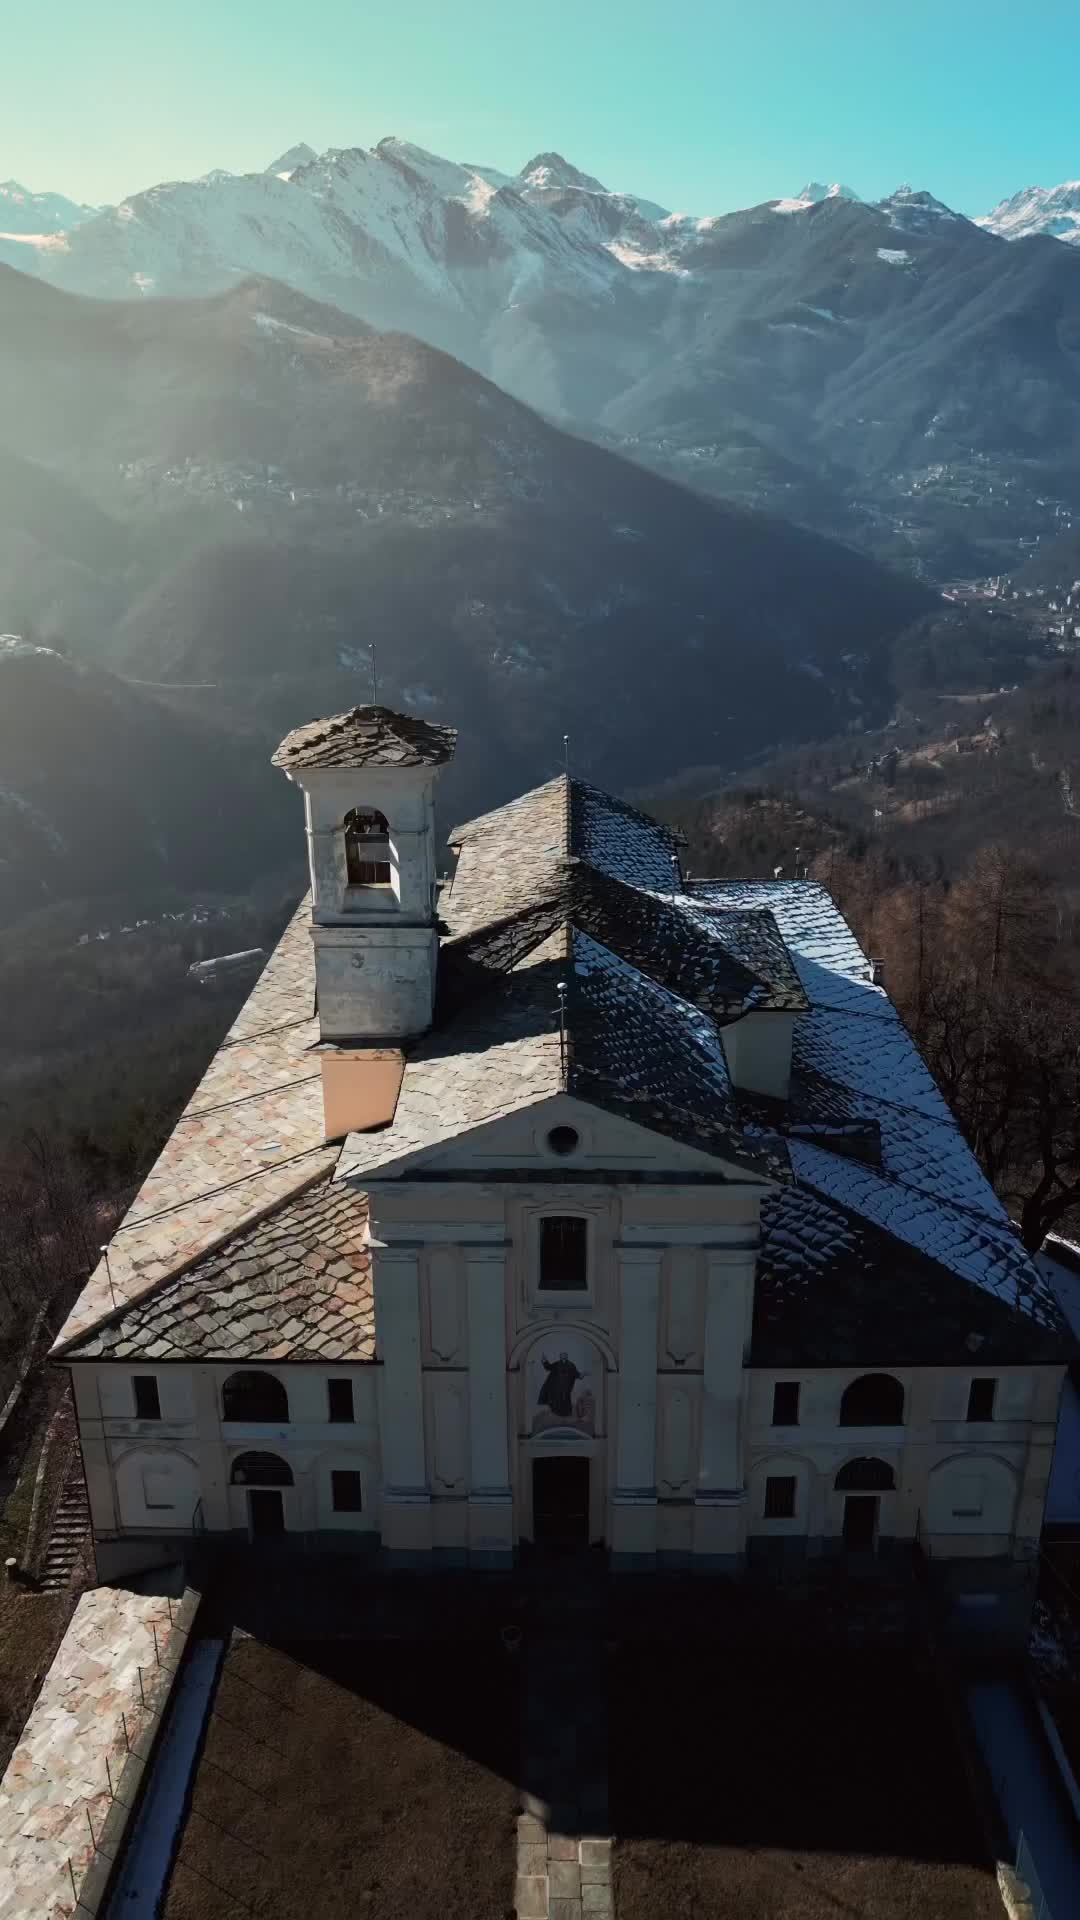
[(633, 1519), (720, 1492), (406, 1497), (491, 1505)]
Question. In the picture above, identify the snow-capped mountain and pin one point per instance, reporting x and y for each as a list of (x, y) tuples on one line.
[(286, 163), (23, 212), (1047, 210)]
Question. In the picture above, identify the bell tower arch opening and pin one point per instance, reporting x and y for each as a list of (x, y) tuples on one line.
[(368, 779)]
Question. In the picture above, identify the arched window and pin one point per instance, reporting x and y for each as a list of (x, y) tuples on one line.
[(873, 1400), (367, 848), (254, 1396), (261, 1470), (865, 1476)]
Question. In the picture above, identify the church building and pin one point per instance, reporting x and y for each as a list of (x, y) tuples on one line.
[(568, 1203)]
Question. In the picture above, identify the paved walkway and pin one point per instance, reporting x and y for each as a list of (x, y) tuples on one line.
[(563, 1849), (55, 1796)]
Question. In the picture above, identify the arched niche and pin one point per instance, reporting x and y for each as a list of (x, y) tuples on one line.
[(157, 1487), (971, 1493)]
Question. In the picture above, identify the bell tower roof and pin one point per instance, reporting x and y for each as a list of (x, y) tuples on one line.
[(367, 737)]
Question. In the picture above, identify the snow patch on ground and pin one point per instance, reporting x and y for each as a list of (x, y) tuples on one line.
[(894, 256)]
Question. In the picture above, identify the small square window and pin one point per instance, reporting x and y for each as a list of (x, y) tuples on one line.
[(785, 1403), (147, 1398), (780, 1497), (340, 1397), (981, 1396), (347, 1492), (564, 1253)]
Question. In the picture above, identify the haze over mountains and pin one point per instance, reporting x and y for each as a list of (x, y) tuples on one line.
[(877, 371), (252, 425)]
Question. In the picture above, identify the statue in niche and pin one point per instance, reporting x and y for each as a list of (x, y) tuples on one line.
[(557, 1391)]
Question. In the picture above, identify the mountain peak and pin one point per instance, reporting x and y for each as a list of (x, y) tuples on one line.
[(554, 170), (816, 190), (299, 156)]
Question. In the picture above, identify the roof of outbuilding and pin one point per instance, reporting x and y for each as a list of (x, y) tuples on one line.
[(367, 737), (293, 1286)]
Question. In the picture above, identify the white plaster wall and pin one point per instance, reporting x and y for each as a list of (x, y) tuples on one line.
[(758, 1052), (194, 1448)]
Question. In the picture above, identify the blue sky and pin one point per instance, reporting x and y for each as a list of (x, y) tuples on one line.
[(702, 104)]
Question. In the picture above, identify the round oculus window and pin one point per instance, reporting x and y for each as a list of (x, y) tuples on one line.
[(563, 1140)]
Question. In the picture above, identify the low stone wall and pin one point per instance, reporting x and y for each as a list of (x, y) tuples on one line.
[(73, 1780)]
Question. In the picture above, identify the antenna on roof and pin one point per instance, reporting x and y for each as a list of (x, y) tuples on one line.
[(566, 753), (562, 1027), (798, 850), (108, 1272), (374, 675), (674, 875)]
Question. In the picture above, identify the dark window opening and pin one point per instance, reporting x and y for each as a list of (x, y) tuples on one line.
[(340, 1396), (147, 1397), (780, 1497), (785, 1403), (367, 848), (261, 1470), (865, 1476), (874, 1400), (564, 1253), (347, 1492), (563, 1140), (254, 1396), (981, 1397)]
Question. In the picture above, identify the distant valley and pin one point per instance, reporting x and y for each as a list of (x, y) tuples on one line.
[(891, 373)]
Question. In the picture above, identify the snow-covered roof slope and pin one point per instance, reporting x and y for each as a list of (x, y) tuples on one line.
[(925, 1188)]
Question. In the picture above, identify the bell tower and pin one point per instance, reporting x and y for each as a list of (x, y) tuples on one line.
[(368, 779)]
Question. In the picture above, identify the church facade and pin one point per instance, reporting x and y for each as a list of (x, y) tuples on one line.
[(570, 1204)]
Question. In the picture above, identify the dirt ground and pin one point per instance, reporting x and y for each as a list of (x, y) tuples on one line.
[(789, 1788), (368, 1780)]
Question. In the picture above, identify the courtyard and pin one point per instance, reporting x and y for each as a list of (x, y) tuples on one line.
[(751, 1786), (351, 1779)]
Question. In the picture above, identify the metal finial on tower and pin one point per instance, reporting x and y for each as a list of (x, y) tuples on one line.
[(374, 675), (561, 990), (674, 874), (566, 752)]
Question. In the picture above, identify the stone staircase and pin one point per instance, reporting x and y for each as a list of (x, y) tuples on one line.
[(67, 1536)]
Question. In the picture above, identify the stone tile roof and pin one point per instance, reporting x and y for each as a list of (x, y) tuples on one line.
[(367, 737), (55, 1792), (632, 1047), (833, 1290), (293, 1286), (249, 1137), (504, 855), (752, 938), (911, 1178), (690, 955)]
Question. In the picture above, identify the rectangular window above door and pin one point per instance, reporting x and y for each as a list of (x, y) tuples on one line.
[(144, 1386), (564, 1253)]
